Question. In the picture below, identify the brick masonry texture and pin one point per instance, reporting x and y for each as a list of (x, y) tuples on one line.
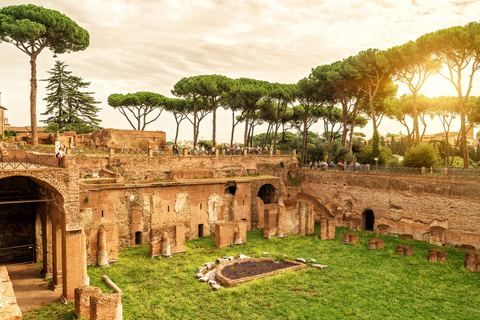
[(438, 210)]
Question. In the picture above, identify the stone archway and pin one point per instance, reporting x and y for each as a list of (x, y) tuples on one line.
[(368, 220), (50, 220), (268, 194)]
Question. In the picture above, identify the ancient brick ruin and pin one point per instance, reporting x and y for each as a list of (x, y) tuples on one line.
[(84, 212)]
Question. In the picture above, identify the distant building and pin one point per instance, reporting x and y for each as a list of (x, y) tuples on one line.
[(2, 117), (452, 137)]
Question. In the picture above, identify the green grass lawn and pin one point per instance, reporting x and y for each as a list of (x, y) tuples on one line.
[(358, 284)]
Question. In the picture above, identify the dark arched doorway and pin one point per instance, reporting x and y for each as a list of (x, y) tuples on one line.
[(369, 218), (19, 204), (268, 194), (31, 225)]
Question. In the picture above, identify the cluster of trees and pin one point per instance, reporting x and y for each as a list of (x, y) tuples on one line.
[(344, 94), (33, 28)]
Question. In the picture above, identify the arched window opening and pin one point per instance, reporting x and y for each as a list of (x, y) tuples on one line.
[(267, 193)]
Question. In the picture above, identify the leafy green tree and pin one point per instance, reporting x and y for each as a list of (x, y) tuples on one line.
[(345, 92), (189, 88), (366, 155), (371, 72), (312, 95), (248, 95), (282, 95), (211, 88), (67, 105), (31, 29), (180, 108), (458, 49), (473, 110), (138, 105), (423, 155), (447, 110), (412, 66)]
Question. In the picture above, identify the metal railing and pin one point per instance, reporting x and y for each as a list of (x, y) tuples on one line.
[(17, 254), (447, 171), (27, 162)]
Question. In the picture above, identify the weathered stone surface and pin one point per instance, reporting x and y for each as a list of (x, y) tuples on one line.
[(229, 258), (199, 275), (312, 261), (105, 306), (319, 266), (404, 250), (202, 269), (210, 265), (437, 255), (242, 256), (375, 243), (300, 260), (221, 260), (417, 206), (82, 300), (203, 279), (216, 287), (265, 253), (9, 309)]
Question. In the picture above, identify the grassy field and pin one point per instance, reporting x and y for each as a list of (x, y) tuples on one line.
[(358, 284)]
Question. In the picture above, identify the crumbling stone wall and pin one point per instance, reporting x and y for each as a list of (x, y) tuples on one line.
[(141, 167), (434, 209), (197, 206)]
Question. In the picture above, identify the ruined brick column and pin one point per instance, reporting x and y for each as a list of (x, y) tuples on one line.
[(73, 263), (166, 246), (331, 228), (155, 244), (104, 306), (302, 209), (82, 300), (323, 229), (437, 255), (281, 221), (472, 260), (102, 254), (85, 277)]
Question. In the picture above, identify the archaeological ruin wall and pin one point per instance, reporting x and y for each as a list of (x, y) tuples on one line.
[(438, 210)]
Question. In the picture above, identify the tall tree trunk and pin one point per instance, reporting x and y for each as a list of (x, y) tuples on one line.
[(345, 123), (416, 128), (245, 135), (275, 137), (304, 143), (214, 141), (195, 131), (33, 98), (176, 131), (233, 128), (464, 135)]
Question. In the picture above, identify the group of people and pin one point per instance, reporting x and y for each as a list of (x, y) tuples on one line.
[(342, 166)]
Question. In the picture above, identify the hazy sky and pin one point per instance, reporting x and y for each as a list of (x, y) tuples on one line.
[(149, 45)]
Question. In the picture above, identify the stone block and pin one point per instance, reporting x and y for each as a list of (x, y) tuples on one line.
[(270, 222), (375, 243), (350, 237), (9, 309), (404, 250), (224, 234), (82, 300), (472, 260), (437, 255), (179, 239), (105, 306)]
